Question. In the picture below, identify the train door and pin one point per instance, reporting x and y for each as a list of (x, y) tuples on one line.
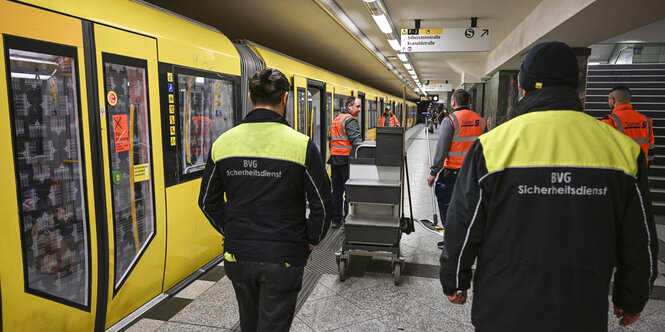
[(363, 115), (48, 271), (133, 168), (316, 106), (301, 118)]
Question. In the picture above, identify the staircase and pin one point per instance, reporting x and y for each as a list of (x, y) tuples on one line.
[(647, 85)]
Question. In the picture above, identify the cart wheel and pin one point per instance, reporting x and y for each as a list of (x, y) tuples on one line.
[(342, 269), (397, 272)]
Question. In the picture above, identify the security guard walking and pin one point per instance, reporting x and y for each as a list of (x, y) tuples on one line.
[(549, 206), (258, 177), (458, 131), (634, 124), (388, 119), (344, 134)]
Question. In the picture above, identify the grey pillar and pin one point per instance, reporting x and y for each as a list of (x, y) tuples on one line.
[(500, 97)]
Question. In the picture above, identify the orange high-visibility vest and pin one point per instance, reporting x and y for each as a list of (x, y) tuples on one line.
[(392, 122), (468, 126), (633, 124), (339, 141)]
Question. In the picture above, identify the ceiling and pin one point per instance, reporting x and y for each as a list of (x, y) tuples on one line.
[(306, 30)]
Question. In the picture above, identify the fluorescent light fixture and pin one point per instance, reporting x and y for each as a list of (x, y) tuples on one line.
[(402, 57), (382, 22), (30, 76), (200, 80), (20, 58), (411, 71), (394, 44), (408, 66), (594, 63)]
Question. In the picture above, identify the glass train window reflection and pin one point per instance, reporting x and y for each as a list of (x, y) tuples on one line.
[(302, 111), (49, 169), (206, 111), (372, 115), (130, 158)]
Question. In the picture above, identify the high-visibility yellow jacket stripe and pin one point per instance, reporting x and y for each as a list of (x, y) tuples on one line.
[(552, 148), (283, 142)]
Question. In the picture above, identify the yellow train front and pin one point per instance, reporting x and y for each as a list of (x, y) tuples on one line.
[(108, 113)]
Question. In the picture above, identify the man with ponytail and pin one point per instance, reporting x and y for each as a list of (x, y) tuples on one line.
[(254, 190)]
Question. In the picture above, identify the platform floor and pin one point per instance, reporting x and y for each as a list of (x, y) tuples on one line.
[(368, 300)]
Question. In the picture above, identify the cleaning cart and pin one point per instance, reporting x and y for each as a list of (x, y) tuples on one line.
[(374, 193)]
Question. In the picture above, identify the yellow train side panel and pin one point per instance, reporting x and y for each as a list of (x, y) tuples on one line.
[(179, 41), (23, 311), (145, 280), (192, 241)]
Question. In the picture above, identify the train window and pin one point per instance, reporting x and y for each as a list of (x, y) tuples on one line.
[(125, 86), (206, 111), (372, 115), (288, 112), (340, 104), (50, 180), (302, 111)]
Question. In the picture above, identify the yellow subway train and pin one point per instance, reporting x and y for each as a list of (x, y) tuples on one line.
[(109, 109)]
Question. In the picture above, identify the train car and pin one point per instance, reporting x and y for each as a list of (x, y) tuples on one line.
[(109, 110)]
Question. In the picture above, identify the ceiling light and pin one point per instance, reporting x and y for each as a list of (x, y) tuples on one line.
[(408, 66), (412, 72), (402, 57), (382, 22), (394, 44)]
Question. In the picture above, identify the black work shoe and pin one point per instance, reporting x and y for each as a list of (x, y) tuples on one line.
[(336, 224)]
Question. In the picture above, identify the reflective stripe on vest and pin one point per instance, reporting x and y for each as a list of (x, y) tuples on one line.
[(634, 125), (468, 126), (339, 141)]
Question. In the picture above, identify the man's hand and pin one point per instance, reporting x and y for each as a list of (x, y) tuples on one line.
[(430, 180), (311, 247), (459, 297), (626, 318)]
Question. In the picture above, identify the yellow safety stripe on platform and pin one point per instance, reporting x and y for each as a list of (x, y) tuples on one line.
[(552, 138), (262, 140)]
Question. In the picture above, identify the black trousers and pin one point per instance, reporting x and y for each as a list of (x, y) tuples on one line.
[(340, 174), (266, 294)]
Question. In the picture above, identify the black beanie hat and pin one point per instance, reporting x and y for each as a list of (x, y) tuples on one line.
[(550, 63)]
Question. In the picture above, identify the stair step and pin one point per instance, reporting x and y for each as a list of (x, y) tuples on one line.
[(626, 66), (626, 72), (626, 79), (634, 99), (631, 85)]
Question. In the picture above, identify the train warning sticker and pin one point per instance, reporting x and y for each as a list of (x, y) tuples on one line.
[(120, 133), (172, 140), (169, 77), (170, 98), (172, 119), (141, 173), (112, 98), (171, 109), (172, 130)]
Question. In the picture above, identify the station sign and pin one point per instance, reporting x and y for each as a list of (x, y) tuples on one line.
[(429, 98), (445, 40), (437, 87)]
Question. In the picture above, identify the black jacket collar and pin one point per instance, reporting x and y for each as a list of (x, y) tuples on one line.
[(555, 97), (264, 115), (461, 108)]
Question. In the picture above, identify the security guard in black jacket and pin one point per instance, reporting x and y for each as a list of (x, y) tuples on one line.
[(254, 188), (549, 203)]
